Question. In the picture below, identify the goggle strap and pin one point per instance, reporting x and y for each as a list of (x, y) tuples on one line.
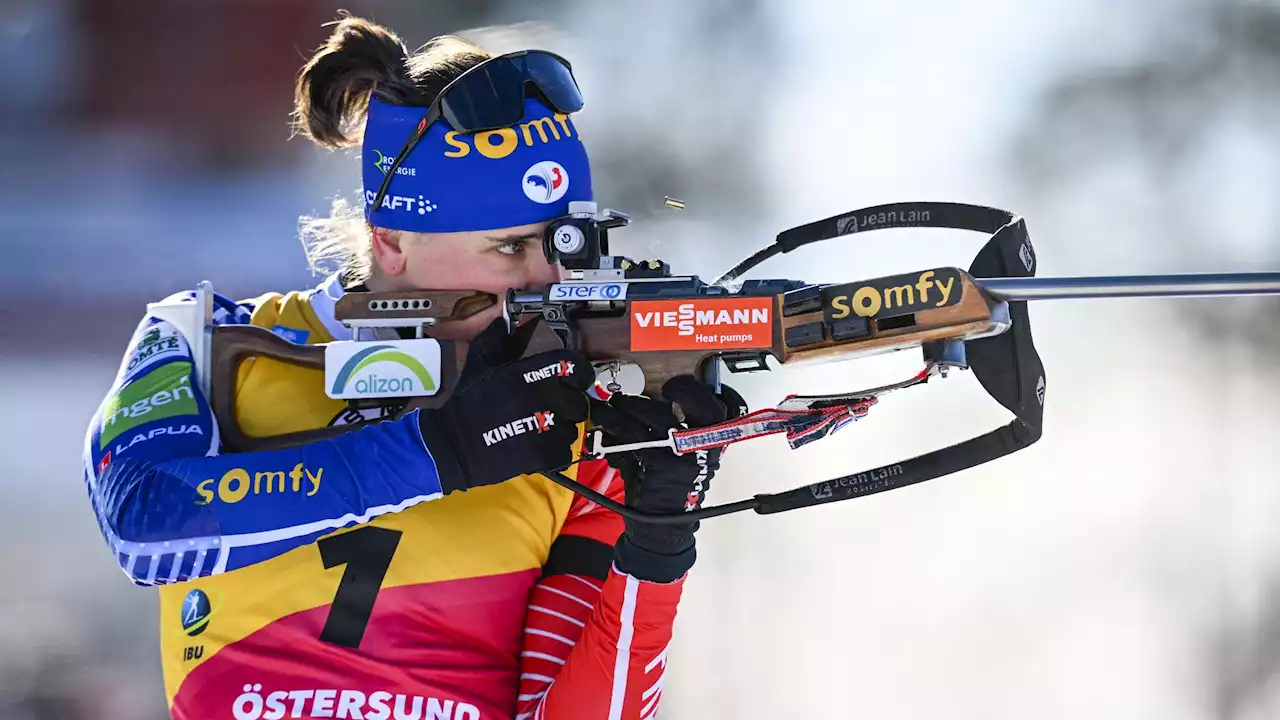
[(409, 145)]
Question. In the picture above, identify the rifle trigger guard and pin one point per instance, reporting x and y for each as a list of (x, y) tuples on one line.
[(558, 320)]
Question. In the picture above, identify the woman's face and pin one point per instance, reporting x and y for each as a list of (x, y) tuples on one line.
[(490, 260)]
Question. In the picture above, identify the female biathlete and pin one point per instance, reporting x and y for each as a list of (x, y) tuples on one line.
[(407, 570)]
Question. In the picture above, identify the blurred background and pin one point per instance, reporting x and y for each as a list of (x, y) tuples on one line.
[(1127, 566)]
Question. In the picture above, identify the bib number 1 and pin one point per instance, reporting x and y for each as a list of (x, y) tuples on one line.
[(367, 553)]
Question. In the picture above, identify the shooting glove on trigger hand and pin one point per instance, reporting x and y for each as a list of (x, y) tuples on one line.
[(658, 480), (508, 416)]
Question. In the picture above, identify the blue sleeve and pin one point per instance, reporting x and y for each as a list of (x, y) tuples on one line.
[(172, 509)]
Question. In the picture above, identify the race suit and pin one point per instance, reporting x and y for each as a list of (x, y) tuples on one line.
[(333, 580)]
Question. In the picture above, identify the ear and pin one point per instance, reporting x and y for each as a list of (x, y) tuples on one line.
[(388, 251)]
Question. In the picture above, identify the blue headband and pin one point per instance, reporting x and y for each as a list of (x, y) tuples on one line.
[(453, 182)]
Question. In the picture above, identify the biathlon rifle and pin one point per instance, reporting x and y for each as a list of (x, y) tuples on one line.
[(640, 325)]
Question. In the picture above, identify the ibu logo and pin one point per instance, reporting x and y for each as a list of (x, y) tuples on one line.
[(196, 611), (401, 368)]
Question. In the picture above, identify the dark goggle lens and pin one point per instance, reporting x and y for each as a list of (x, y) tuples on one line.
[(555, 80), (492, 96)]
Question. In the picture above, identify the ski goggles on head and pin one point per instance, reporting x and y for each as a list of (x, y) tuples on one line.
[(491, 96)]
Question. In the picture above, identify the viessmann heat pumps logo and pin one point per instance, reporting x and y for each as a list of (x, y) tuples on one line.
[(393, 368), (702, 323)]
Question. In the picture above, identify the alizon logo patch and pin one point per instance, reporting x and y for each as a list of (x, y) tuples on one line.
[(893, 295), (400, 368)]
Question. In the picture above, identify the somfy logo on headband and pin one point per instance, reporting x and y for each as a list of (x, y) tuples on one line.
[(498, 144), (545, 182)]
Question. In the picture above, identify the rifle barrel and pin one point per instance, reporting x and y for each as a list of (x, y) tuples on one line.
[(1103, 286)]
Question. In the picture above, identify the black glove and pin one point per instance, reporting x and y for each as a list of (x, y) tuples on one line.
[(658, 480), (508, 415)]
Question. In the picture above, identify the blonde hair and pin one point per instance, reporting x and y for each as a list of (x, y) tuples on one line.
[(340, 242), (331, 102)]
